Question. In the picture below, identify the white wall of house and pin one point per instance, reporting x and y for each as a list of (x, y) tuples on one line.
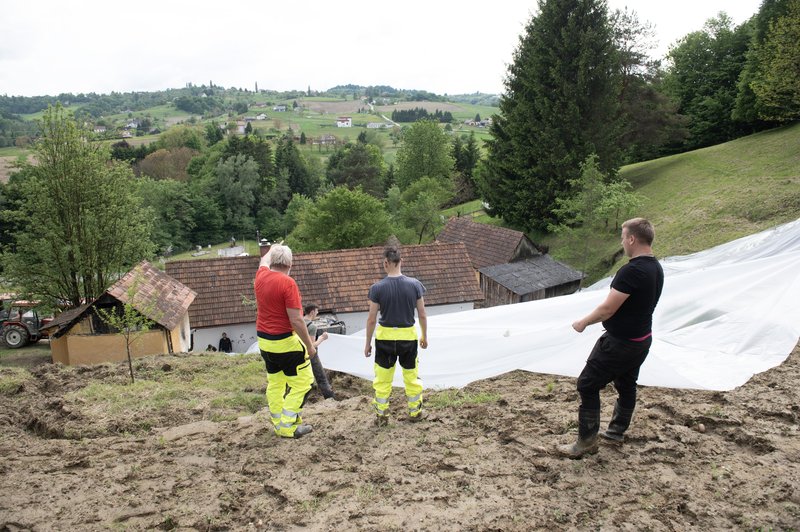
[(186, 337), (356, 321), (243, 335)]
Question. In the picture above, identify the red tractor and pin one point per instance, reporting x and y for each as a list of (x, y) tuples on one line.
[(20, 324)]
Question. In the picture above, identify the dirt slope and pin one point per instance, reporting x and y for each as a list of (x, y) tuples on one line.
[(471, 467)]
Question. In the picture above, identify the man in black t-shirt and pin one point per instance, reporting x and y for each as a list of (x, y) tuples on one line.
[(627, 315)]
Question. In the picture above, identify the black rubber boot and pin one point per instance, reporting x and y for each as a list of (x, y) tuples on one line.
[(620, 421), (322, 378), (588, 425)]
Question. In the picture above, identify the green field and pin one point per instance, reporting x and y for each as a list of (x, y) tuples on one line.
[(700, 199)]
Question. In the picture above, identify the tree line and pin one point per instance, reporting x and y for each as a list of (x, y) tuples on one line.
[(86, 212), (419, 113), (581, 88)]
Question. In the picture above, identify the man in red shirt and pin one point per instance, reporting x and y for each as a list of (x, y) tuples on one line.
[(285, 344)]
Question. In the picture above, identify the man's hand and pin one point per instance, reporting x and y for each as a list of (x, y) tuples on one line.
[(323, 336), (312, 351), (423, 343), (368, 350), (579, 326)]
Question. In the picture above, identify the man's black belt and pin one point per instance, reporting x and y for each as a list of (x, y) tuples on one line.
[(268, 336)]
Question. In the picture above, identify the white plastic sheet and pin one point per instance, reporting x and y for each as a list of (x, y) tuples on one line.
[(725, 314)]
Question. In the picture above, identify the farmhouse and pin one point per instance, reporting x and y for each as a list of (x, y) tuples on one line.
[(262, 116), (344, 121), (325, 140), (80, 336), (509, 266), (279, 108), (338, 281)]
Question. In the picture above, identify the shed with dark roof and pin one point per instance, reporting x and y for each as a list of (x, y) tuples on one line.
[(527, 280), (486, 244), (510, 267)]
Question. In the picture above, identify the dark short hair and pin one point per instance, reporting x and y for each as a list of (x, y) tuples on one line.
[(310, 307), (392, 254), (641, 229)]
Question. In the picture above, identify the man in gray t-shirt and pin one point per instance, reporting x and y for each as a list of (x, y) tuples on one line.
[(396, 297)]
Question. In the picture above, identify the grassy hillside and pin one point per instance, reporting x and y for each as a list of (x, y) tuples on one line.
[(706, 197)]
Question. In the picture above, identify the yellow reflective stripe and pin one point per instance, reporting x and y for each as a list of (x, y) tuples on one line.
[(287, 345), (396, 333)]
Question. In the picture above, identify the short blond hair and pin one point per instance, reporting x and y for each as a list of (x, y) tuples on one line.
[(641, 229), (279, 255)]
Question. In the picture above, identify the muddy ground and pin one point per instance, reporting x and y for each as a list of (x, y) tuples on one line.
[(475, 466)]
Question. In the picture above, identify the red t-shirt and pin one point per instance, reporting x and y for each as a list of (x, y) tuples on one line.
[(275, 292)]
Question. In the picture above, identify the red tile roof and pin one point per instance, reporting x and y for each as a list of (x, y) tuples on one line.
[(487, 244), (171, 298), (156, 295), (337, 281), (221, 284)]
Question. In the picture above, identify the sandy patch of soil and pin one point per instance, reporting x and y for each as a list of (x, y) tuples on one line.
[(486, 466), (341, 108), (6, 168)]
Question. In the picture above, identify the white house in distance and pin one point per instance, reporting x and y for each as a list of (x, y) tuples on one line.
[(344, 121)]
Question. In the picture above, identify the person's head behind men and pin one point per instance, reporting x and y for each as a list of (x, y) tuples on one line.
[(637, 233), (279, 257), (391, 254), (309, 309)]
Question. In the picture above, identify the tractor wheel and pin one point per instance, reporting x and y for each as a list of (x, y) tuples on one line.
[(15, 336)]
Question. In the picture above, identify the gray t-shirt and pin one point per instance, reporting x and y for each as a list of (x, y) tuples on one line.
[(397, 298)]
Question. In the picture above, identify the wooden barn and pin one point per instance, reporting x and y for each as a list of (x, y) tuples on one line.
[(509, 266), (80, 336), (534, 278)]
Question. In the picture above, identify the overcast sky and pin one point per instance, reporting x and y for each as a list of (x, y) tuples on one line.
[(443, 46)]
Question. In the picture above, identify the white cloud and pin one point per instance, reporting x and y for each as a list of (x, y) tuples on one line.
[(443, 46)]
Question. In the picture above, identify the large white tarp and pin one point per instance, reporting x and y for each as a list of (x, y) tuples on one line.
[(725, 314)]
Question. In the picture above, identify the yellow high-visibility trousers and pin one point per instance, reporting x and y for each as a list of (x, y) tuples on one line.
[(392, 345), (289, 380)]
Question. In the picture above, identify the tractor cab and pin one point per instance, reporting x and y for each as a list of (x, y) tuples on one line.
[(20, 323)]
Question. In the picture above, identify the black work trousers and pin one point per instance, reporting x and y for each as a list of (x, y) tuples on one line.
[(612, 360)]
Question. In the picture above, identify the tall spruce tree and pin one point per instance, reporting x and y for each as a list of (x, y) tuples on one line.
[(560, 105)]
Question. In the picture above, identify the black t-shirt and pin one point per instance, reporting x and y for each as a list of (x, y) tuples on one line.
[(642, 279), (397, 298)]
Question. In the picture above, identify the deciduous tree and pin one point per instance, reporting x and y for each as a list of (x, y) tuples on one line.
[(340, 219), (426, 151), (83, 225), (706, 66), (589, 210)]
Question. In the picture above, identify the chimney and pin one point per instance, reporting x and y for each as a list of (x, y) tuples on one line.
[(263, 246)]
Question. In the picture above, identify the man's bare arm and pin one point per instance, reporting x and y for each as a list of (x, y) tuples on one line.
[(604, 310)]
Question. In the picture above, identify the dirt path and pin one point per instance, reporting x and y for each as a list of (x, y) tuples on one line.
[(470, 467)]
